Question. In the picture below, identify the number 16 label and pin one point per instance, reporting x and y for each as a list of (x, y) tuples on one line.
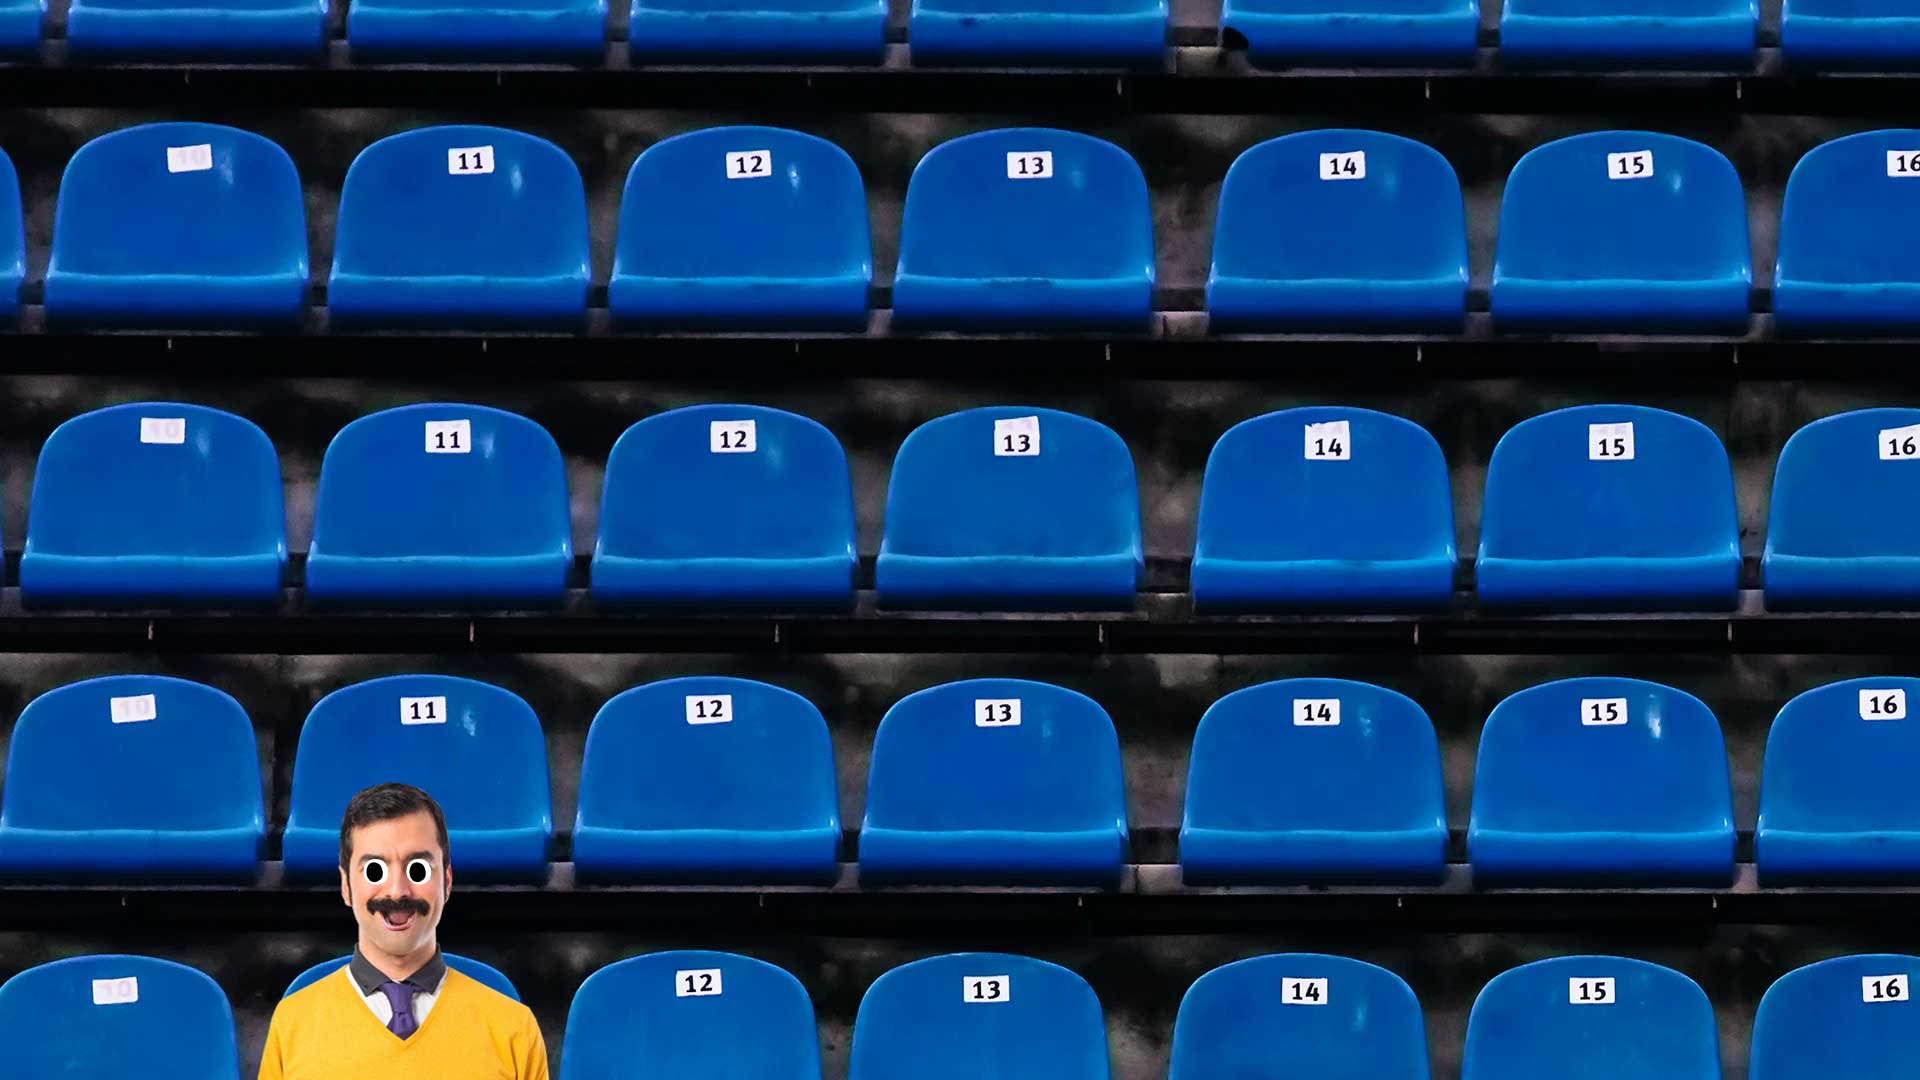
[(1900, 443)]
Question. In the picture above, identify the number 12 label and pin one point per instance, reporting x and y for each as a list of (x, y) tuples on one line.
[(733, 436), (709, 708), (704, 982), (749, 164)]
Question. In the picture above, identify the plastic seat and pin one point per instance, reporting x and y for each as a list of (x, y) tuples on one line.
[(726, 506), (1011, 508), (179, 225), (763, 31), (1850, 34), (406, 252), (1299, 1014), (969, 1015), (1840, 530), (1602, 781), (708, 779), (155, 504), (112, 1016), (691, 1013), (478, 30), (1025, 33), (20, 26), (226, 29), (743, 228), (1356, 33), (1624, 231), (1339, 231), (477, 749), (1643, 34), (485, 974), (1848, 1016), (486, 521), (1609, 507), (968, 260), (1591, 1018), (995, 782), (1844, 227), (1833, 791), (13, 235), (1314, 781), (134, 778), (1325, 508)]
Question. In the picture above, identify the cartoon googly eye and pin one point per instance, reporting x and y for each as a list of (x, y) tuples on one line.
[(419, 871), (374, 870)]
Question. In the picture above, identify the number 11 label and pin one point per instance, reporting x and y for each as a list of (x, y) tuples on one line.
[(469, 160), (449, 436)]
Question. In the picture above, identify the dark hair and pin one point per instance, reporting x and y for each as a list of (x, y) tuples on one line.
[(387, 802)]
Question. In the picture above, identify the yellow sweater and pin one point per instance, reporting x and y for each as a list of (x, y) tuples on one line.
[(326, 1032)]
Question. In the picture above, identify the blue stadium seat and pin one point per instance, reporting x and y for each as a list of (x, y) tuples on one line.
[(1849, 1016), (763, 31), (1591, 1018), (20, 26), (117, 1016), (485, 974), (1298, 1015), (726, 506), (287, 30), (708, 779), (1602, 781), (474, 747), (477, 30), (179, 225), (1314, 781), (743, 228), (1355, 33), (155, 504), (968, 260), (441, 506), (1339, 231), (1841, 531), (691, 1013), (1845, 229), (991, 782), (1009, 1016), (1834, 805), (1643, 34), (1623, 231), (132, 778), (1011, 508), (1826, 34), (1375, 488), (406, 252), (1577, 516), (1027, 33), (13, 234)]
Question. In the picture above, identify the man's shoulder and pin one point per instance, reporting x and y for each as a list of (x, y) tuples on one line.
[(317, 996), (484, 1000)]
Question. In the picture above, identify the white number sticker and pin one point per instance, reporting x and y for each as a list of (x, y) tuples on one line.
[(703, 982), (749, 164), (1589, 991), (1875, 989), (1633, 165), (423, 710), (733, 436), (1348, 166), (1017, 437), (1610, 442), (1603, 712), (1303, 991), (132, 710), (1316, 712), (190, 158), (996, 712), (1900, 443), (1030, 165), (709, 708), (469, 160), (1903, 163), (1330, 441), (449, 437), (1883, 704), (986, 989), (116, 991), (163, 430)]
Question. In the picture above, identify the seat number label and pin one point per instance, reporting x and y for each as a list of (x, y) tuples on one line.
[(703, 982), (1903, 163), (1030, 165), (116, 991), (709, 708), (132, 710), (733, 436), (1878, 989), (469, 160), (1590, 991), (1632, 165), (986, 989), (1316, 712), (1900, 443), (1017, 436), (996, 712), (1303, 991), (1331, 441), (1348, 166), (163, 430), (749, 164), (1610, 442), (1603, 712), (190, 158), (1883, 704), (423, 710), (449, 437)]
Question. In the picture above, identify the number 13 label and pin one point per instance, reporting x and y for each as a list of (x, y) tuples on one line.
[(1030, 165), (986, 989), (997, 712), (1017, 437)]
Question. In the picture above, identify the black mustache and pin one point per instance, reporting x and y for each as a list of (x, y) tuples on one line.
[(396, 905)]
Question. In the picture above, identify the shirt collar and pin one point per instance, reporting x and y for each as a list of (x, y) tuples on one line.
[(368, 978)]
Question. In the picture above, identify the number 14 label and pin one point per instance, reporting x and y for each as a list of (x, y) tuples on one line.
[(1348, 166)]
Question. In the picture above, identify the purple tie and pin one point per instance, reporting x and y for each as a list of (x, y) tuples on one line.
[(400, 996)]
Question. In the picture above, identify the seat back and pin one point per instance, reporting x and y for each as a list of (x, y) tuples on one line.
[(1849, 211), (13, 239), (1299, 1014), (117, 1016), (1840, 760), (967, 1015), (1843, 488), (1591, 1018), (1848, 1016)]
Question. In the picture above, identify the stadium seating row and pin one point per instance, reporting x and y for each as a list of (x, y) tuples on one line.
[(1281, 1015), (744, 507), (716, 780), (754, 228)]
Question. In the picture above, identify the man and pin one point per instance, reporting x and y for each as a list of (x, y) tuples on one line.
[(396, 1011)]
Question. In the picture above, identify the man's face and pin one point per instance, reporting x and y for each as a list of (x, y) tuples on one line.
[(396, 881)]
